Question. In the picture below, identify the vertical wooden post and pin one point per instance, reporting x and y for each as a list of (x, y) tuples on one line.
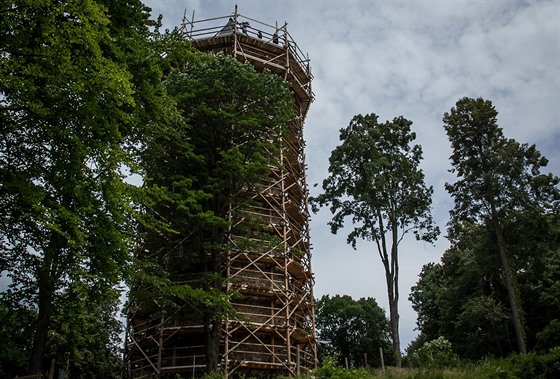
[(298, 372), (160, 346), (287, 49), (192, 24), (193, 364), (382, 361)]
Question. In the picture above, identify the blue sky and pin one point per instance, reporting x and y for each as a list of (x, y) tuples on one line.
[(415, 59)]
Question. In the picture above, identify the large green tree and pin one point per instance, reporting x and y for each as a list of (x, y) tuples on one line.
[(375, 180), (498, 181), (463, 298), (67, 108), (201, 175), (353, 329)]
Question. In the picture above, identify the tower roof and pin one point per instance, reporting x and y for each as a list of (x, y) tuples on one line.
[(264, 46)]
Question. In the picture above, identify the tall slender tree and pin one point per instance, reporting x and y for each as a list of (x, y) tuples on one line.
[(498, 181), (376, 181)]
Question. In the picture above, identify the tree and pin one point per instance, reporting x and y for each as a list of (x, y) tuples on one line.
[(15, 335), (463, 298), (67, 107), (84, 338), (353, 329), (498, 179), (375, 179), (202, 173), (426, 301)]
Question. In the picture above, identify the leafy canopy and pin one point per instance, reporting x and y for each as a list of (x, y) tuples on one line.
[(497, 177), (69, 104), (375, 180), (349, 328)]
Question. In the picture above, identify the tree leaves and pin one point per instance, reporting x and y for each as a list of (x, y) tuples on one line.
[(498, 180), (351, 328), (66, 109), (375, 169), (494, 172)]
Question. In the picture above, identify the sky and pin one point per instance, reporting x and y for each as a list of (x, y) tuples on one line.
[(413, 59)]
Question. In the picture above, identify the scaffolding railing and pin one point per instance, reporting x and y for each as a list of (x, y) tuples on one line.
[(264, 45)]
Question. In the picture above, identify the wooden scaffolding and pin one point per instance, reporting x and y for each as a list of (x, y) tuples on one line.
[(273, 332)]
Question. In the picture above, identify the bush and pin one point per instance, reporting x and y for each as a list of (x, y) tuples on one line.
[(528, 366), (533, 366), (549, 337), (213, 375), (330, 370), (437, 353)]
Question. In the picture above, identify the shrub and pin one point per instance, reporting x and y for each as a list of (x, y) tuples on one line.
[(533, 366), (330, 370), (527, 366), (213, 375), (549, 337), (437, 353)]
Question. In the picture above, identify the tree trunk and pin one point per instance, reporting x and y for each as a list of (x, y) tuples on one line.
[(515, 308), (46, 283), (43, 324), (212, 336), (394, 318), (211, 325), (394, 315), (391, 265), (394, 304)]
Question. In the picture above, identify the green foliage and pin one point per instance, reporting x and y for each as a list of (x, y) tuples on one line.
[(352, 328), (467, 297), (549, 337), (330, 370), (526, 366), (201, 167), (437, 353), (85, 333), (497, 176), (213, 375), (15, 335), (375, 179), (425, 298), (500, 187), (69, 106), (464, 299), (514, 367)]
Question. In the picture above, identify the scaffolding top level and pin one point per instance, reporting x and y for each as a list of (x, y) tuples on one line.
[(255, 33)]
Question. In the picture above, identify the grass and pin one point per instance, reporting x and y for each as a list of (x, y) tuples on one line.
[(529, 366)]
